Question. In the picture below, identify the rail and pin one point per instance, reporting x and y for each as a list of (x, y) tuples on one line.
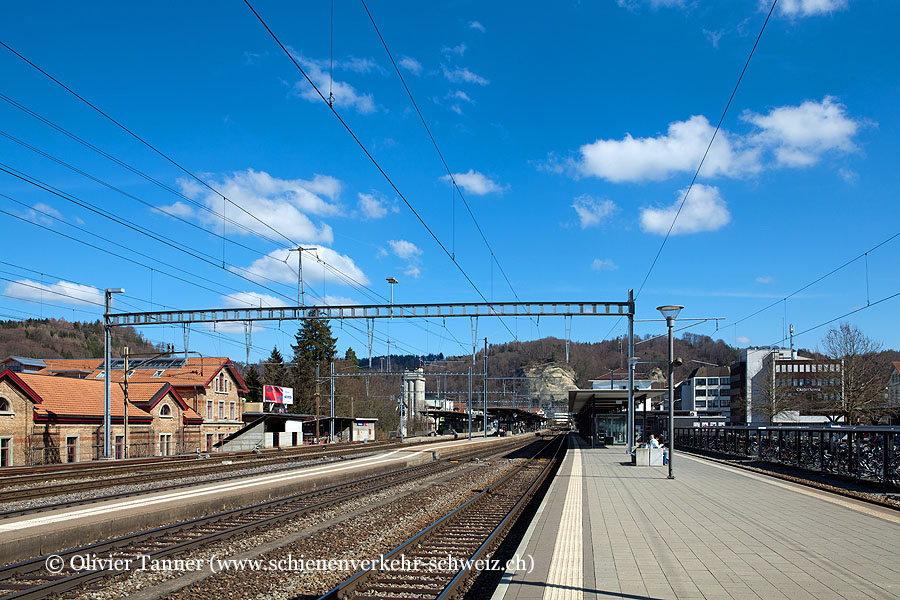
[(868, 454)]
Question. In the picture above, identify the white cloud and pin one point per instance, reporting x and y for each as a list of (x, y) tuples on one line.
[(463, 75), (411, 65), (459, 50), (456, 108), (704, 210), (807, 8), (800, 135), (283, 203), (476, 183), (605, 264), (372, 206), (591, 211), (797, 136), (179, 209), (458, 95), (344, 93), (358, 65), (252, 299), (660, 157), (477, 25), (282, 266), (62, 292), (412, 271), (404, 249), (43, 213), (742, 340), (714, 36), (766, 279)]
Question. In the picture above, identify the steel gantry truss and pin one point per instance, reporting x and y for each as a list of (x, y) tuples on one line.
[(473, 310), (375, 311)]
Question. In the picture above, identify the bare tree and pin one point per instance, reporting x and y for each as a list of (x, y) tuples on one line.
[(857, 392), (769, 400)]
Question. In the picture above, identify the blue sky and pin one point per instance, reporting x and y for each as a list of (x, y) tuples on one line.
[(572, 130)]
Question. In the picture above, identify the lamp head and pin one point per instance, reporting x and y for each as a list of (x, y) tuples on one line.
[(391, 280), (670, 311), (115, 290)]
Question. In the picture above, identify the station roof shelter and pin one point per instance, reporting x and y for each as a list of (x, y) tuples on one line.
[(602, 415)]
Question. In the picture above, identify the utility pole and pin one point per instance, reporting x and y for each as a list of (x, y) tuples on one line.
[(470, 403), (331, 432), (484, 415), (125, 395), (107, 341), (393, 281), (301, 294), (317, 402)]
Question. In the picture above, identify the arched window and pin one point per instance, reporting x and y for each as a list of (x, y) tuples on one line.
[(5, 406), (165, 411)]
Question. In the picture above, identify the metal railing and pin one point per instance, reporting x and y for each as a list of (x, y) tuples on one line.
[(863, 453)]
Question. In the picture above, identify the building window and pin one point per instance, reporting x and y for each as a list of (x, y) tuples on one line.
[(5, 452), (158, 373), (221, 384), (701, 404), (221, 410), (231, 414), (165, 411), (209, 442), (209, 410), (5, 406), (120, 447), (700, 393), (700, 381), (165, 444), (71, 449)]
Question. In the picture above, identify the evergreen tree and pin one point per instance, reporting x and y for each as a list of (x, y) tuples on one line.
[(315, 346), (350, 357), (274, 372), (254, 384)]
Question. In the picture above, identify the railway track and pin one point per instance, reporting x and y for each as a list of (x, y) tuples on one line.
[(32, 579), (17, 485), (439, 561)]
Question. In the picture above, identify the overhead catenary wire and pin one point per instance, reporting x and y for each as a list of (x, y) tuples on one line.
[(372, 159), (341, 275), (455, 187), (146, 143), (706, 152)]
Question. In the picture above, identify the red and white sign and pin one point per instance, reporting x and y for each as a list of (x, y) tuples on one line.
[(278, 395)]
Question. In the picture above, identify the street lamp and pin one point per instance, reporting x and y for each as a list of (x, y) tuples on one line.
[(107, 294), (393, 282), (670, 312)]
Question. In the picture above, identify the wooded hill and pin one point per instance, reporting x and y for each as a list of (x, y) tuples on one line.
[(52, 338)]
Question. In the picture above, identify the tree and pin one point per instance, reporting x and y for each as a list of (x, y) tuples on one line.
[(859, 391), (274, 372), (770, 400), (350, 356), (254, 384), (315, 346)]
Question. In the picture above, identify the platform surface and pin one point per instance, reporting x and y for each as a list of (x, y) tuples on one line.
[(607, 529)]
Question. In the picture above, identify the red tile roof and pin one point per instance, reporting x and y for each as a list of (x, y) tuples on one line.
[(67, 397), (196, 373)]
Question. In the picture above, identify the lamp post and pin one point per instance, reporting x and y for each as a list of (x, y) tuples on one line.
[(107, 294), (393, 281), (670, 312)]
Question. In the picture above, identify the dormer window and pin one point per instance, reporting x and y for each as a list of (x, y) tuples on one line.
[(158, 373), (99, 375), (5, 406), (165, 411)]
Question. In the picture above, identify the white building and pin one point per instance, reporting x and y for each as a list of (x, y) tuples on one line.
[(706, 391)]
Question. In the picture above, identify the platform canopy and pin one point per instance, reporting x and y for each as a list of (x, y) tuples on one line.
[(607, 400)]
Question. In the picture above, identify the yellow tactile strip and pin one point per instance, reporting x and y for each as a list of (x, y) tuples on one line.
[(565, 581)]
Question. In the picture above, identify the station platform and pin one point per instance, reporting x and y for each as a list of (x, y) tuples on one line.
[(606, 529)]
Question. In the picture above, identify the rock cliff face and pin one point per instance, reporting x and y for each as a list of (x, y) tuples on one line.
[(558, 380)]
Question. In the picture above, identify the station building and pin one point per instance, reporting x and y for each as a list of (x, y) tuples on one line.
[(211, 386), (46, 419)]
